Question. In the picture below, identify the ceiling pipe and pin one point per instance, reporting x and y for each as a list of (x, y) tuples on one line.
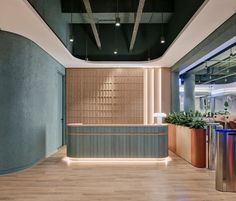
[(137, 22), (92, 22)]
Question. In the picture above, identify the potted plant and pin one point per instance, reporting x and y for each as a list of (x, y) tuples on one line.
[(226, 107)]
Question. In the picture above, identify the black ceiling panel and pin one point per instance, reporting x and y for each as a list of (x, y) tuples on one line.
[(110, 6), (57, 14), (146, 46)]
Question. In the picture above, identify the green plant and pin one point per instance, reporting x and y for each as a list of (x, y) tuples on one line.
[(172, 118), (226, 104), (189, 119), (198, 123)]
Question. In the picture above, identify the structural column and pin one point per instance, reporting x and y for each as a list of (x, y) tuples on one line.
[(175, 105), (189, 92)]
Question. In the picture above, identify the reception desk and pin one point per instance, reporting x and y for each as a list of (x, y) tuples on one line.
[(117, 141)]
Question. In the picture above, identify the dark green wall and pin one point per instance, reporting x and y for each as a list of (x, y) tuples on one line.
[(184, 10), (29, 103)]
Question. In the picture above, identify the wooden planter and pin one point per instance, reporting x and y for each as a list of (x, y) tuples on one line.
[(172, 137), (198, 147), (183, 142), (189, 144)]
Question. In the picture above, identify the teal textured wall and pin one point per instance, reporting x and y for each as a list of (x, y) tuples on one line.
[(28, 103)]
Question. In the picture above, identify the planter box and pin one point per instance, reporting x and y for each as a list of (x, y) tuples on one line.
[(189, 144), (183, 142), (172, 137), (198, 147)]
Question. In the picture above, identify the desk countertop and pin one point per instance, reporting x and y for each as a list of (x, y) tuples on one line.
[(114, 125)]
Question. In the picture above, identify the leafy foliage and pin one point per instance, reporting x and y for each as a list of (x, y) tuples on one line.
[(189, 119), (198, 123), (226, 104)]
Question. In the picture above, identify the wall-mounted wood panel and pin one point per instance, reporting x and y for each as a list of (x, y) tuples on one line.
[(104, 96), (166, 88)]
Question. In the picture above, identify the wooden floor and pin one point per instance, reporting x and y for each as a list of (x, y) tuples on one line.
[(53, 179)]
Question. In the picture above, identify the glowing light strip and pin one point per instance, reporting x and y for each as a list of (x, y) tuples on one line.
[(225, 90), (212, 90), (198, 89), (145, 96), (159, 90), (69, 160), (152, 96)]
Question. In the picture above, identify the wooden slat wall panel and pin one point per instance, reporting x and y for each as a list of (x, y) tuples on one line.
[(104, 96), (166, 90)]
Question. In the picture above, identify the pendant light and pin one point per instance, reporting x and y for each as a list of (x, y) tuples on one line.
[(71, 38), (116, 49), (117, 23), (162, 38)]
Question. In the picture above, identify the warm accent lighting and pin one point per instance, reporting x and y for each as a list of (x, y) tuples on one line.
[(69, 160), (117, 21), (160, 90)]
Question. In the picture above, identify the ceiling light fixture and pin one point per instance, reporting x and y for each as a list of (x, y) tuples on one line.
[(115, 51), (71, 38), (162, 38), (117, 21)]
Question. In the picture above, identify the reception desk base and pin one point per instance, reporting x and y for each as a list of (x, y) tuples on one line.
[(117, 141)]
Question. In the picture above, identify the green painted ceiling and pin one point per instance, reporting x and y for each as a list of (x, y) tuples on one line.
[(176, 14)]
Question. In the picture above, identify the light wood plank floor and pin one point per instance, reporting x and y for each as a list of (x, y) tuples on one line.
[(53, 179)]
